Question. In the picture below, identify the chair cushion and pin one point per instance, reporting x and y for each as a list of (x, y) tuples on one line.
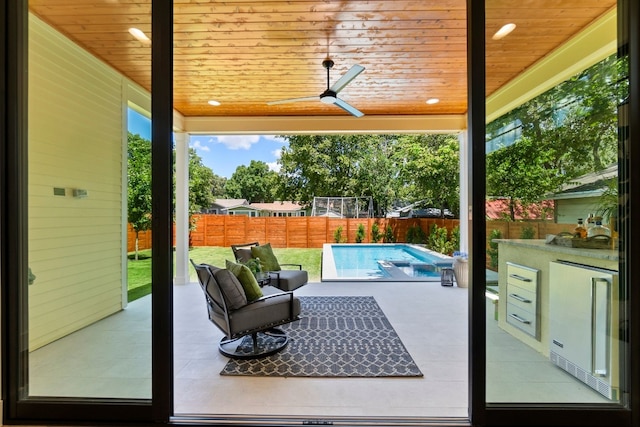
[(243, 255), (264, 312), (268, 260), (290, 279), (231, 289), (247, 280)]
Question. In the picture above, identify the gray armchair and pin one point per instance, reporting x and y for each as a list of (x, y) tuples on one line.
[(238, 319), (286, 279)]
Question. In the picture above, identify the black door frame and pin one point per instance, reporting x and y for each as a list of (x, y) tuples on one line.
[(13, 50)]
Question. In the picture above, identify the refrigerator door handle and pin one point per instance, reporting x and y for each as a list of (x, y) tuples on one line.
[(600, 329)]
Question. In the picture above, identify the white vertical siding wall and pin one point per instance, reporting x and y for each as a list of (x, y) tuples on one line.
[(569, 210), (75, 142)]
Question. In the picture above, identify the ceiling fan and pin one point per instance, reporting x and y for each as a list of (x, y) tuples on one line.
[(330, 96)]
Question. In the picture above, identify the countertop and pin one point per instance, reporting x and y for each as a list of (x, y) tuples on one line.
[(539, 244)]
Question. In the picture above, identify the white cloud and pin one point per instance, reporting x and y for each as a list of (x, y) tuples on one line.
[(274, 166), (237, 142), (277, 153), (199, 146)]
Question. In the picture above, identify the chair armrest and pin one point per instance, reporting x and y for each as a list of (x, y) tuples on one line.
[(266, 297), (292, 265)]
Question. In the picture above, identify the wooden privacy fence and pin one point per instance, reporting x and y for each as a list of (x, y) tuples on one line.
[(312, 232), (289, 232)]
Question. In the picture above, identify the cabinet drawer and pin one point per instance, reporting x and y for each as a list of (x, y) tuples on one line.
[(522, 298), (523, 277), (522, 319)]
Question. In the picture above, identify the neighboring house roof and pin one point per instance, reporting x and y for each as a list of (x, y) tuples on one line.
[(499, 209), (278, 206), (588, 185), (229, 203)]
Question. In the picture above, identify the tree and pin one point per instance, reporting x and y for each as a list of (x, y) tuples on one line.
[(385, 167), (518, 172), (138, 185), (429, 168), (218, 185), (255, 182), (574, 127), (202, 183)]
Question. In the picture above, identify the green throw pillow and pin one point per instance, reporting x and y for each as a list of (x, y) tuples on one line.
[(247, 280), (268, 260)]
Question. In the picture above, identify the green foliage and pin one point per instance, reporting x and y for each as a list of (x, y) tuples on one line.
[(256, 183), (565, 132), (138, 184), (388, 235), (520, 172), (527, 232), (376, 236), (385, 167), (337, 235), (438, 240), (428, 167), (360, 233), (608, 201), (493, 248), (455, 238), (416, 235), (201, 184), (254, 265)]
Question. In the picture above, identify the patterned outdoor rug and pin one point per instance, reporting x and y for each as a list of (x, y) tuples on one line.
[(336, 337)]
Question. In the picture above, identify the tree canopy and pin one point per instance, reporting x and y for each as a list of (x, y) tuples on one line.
[(255, 182), (138, 184), (568, 131), (385, 167)]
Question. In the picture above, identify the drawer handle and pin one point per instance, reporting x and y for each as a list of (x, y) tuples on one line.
[(519, 298), (521, 278), (520, 319)]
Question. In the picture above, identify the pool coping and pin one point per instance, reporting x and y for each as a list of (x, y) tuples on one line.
[(329, 272)]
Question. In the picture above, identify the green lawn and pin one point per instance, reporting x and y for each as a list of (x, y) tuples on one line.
[(139, 272)]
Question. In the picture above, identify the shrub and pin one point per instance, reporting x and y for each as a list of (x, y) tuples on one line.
[(388, 235), (360, 233), (493, 247), (337, 235), (438, 240), (416, 235), (376, 236), (455, 238), (527, 232)]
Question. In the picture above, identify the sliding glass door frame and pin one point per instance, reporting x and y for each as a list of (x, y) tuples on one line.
[(18, 407), (492, 414), (13, 235)]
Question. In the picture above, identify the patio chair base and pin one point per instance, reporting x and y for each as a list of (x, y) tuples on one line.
[(258, 344)]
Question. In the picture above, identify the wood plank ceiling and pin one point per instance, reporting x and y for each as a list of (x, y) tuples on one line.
[(245, 53)]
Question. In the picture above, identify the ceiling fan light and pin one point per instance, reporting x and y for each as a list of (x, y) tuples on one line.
[(504, 31)]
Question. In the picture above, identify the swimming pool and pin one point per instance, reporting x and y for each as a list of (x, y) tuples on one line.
[(382, 262)]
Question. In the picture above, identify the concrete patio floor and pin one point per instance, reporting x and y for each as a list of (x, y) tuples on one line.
[(112, 359)]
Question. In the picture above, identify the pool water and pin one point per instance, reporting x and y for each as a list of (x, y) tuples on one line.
[(382, 262)]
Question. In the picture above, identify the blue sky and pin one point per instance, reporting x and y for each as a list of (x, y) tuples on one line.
[(222, 153)]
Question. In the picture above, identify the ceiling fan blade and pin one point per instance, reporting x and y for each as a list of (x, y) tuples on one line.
[(287, 101), (346, 78), (348, 108)]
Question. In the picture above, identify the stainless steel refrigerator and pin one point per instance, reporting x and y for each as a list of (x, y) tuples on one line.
[(583, 325)]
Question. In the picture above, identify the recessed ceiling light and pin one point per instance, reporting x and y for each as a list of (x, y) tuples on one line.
[(432, 101), (504, 31), (139, 35), (213, 102)]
